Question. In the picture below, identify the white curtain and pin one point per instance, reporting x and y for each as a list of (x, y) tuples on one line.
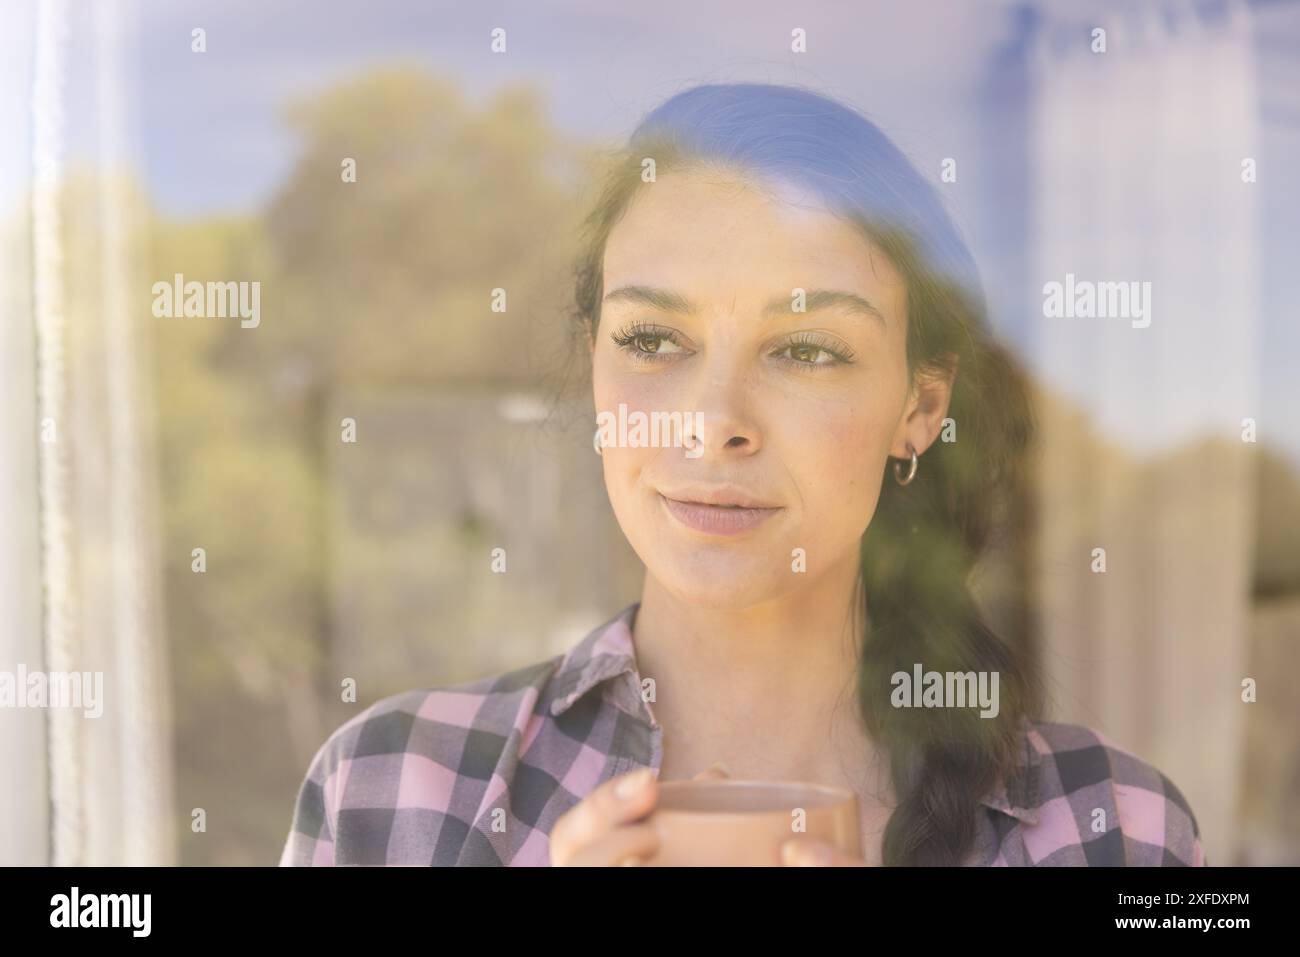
[(80, 563), (1137, 156)]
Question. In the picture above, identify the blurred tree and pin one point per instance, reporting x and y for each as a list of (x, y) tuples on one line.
[(382, 283), (391, 277)]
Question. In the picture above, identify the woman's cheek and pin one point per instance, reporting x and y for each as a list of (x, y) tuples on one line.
[(637, 391), (837, 437), (852, 450), (625, 464)]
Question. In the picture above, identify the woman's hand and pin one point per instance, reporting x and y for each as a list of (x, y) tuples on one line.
[(606, 828), (805, 851)]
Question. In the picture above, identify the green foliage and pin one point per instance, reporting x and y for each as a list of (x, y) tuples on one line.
[(375, 285)]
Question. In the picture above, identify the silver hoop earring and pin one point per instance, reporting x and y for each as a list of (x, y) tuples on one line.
[(596, 444), (911, 472)]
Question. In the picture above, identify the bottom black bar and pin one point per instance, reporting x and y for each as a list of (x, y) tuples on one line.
[(367, 905)]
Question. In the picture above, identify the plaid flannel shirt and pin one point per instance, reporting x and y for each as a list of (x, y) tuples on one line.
[(478, 773)]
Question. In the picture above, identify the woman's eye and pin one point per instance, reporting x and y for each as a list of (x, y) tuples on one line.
[(647, 344), (813, 354), (809, 354), (650, 343)]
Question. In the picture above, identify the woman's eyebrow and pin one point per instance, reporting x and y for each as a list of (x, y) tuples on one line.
[(661, 299), (667, 301), (826, 299)]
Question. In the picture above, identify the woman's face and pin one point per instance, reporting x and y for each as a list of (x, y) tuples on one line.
[(799, 411)]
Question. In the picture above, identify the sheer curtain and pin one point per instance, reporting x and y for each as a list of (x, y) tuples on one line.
[(1137, 156), (80, 562)]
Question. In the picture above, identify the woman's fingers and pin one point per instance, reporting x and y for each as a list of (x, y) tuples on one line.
[(804, 851), (717, 770), (600, 829), (629, 844), (617, 801)]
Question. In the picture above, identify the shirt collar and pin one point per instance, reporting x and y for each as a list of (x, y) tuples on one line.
[(1018, 793), (605, 652), (608, 651)]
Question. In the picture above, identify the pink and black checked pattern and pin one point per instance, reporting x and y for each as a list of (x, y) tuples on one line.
[(477, 774)]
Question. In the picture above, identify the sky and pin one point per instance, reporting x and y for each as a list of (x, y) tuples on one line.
[(212, 119)]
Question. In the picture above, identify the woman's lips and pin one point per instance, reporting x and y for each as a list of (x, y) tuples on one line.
[(716, 519)]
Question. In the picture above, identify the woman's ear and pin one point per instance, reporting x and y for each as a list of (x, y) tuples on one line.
[(927, 406)]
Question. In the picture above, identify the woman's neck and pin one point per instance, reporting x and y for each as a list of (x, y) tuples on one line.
[(770, 689)]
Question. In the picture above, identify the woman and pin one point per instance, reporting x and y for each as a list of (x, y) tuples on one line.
[(766, 265)]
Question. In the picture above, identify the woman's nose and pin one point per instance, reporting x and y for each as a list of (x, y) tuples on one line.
[(721, 416)]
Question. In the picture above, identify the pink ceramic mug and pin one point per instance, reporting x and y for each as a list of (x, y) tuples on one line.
[(737, 823)]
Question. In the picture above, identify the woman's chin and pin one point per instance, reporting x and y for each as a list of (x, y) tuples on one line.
[(723, 589)]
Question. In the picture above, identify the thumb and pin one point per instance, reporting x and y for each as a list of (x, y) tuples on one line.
[(716, 771)]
